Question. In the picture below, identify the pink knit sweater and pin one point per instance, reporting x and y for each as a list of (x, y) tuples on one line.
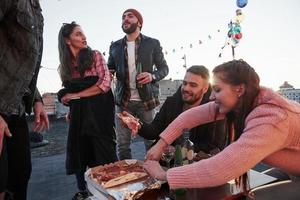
[(271, 135)]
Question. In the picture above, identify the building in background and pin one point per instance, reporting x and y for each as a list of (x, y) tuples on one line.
[(168, 88), (288, 91), (53, 106)]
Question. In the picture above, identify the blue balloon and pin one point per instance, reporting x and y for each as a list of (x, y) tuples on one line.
[(241, 3)]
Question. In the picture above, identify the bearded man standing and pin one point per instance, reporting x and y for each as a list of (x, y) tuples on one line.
[(139, 64)]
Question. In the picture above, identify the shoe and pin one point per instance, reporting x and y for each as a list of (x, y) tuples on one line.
[(8, 195), (81, 195)]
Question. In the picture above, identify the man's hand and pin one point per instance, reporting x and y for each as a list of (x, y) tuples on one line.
[(144, 78), (130, 121), (3, 130), (41, 121)]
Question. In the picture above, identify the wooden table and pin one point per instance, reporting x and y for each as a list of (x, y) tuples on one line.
[(225, 192)]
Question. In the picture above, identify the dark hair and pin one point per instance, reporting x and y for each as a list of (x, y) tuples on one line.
[(85, 56), (199, 70), (238, 72), (84, 60)]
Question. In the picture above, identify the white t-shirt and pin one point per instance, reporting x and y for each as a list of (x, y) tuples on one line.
[(132, 71)]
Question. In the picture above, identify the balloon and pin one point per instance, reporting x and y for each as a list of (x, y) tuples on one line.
[(238, 36), (237, 29), (235, 42), (239, 18), (241, 3), (238, 12)]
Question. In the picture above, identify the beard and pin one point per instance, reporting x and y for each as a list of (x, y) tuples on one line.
[(192, 98), (131, 28)]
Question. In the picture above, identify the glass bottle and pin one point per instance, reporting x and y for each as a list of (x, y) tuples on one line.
[(178, 156), (187, 148), (138, 71), (177, 163)]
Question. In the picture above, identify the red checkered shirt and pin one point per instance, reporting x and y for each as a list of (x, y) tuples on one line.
[(100, 69)]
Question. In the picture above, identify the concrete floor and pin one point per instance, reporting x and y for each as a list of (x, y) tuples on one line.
[(48, 179)]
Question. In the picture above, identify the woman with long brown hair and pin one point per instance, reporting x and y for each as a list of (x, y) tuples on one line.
[(262, 126), (87, 81)]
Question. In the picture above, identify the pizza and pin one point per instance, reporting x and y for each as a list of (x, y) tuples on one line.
[(131, 122), (125, 118), (118, 173)]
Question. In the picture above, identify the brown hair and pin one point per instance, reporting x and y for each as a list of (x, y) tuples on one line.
[(199, 70), (85, 55), (238, 72)]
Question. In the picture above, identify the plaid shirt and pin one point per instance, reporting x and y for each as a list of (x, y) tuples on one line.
[(150, 104), (99, 69)]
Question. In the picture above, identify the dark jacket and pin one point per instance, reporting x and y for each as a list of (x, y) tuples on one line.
[(203, 136), (152, 60), (21, 31)]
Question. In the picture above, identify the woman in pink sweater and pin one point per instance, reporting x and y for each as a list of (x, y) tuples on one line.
[(263, 126)]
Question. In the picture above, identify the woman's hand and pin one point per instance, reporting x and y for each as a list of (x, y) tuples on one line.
[(69, 96), (130, 121), (155, 170), (155, 152)]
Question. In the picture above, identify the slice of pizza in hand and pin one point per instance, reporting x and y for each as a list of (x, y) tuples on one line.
[(125, 118), (131, 122), (133, 176)]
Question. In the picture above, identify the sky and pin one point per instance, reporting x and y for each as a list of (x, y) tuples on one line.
[(269, 44)]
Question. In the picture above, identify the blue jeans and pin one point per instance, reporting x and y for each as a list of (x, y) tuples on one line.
[(123, 134)]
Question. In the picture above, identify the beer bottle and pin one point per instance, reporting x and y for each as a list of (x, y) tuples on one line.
[(177, 163), (187, 148)]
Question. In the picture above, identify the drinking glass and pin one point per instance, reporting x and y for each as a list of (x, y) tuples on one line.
[(168, 154)]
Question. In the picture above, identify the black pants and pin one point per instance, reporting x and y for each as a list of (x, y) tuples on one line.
[(15, 160)]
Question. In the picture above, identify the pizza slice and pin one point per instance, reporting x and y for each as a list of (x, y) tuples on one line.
[(126, 117), (131, 122), (120, 172), (127, 178)]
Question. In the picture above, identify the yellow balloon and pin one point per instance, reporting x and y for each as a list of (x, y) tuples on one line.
[(239, 18)]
